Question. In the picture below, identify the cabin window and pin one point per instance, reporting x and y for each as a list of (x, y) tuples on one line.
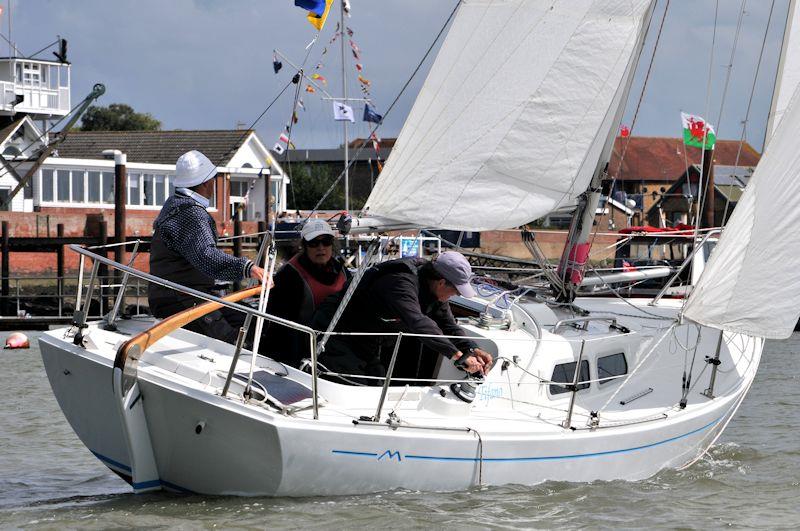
[(610, 366), (565, 373)]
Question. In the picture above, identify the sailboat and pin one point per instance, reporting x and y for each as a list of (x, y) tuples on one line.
[(516, 119)]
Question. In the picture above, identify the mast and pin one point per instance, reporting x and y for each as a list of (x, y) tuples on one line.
[(344, 122), (575, 256)]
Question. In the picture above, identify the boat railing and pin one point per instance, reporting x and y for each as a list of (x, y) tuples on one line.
[(131, 350), (686, 262)]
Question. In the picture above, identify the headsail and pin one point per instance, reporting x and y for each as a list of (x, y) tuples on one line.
[(752, 281), (515, 114), (788, 75)]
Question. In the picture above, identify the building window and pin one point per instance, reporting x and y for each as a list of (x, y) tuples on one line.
[(610, 366), (134, 198), (77, 186), (53, 84), (94, 185), (107, 187), (62, 185), (11, 152), (47, 185), (239, 188), (565, 373), (63, 77), (161, 189), (147, 189)]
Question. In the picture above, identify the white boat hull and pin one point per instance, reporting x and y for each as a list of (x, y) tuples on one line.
[(204, 443)]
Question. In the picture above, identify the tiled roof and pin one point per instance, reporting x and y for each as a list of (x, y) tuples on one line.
[(665, 159), (154, 147)]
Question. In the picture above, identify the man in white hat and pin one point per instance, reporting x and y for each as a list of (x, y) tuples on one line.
[(306, 280), (184, 250)]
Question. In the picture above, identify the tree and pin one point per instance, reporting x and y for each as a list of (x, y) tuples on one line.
[(118, 117), (310, 182)]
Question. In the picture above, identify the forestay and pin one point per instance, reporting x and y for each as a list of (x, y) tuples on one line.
[(517, 113), (752, 281)]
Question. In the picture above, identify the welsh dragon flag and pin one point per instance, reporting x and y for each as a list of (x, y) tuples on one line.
[(694, 129)]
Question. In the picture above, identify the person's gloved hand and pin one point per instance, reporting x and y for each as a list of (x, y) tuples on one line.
[(478, 361)]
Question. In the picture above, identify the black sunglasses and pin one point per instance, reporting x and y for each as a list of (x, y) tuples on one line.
[(316, 242)]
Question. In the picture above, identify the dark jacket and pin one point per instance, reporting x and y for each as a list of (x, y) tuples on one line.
[(293, 299), (392, 297), (184, 250)]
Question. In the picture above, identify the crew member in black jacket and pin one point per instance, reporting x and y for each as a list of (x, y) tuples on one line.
[(407, 295)]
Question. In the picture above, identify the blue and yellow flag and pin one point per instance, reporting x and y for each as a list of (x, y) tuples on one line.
[(317, 11)]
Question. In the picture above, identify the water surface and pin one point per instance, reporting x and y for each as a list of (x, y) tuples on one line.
[(750, 479)]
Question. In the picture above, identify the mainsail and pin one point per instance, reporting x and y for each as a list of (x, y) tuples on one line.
[(516, 114), (752, 281)]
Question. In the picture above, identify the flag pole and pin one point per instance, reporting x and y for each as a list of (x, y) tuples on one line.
[(707, 178)]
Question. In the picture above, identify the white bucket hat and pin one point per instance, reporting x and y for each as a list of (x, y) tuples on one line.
[(193, 168), (316, 227)]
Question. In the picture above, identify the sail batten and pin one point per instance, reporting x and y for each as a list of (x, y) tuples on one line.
[(751, 283), (515, 114)]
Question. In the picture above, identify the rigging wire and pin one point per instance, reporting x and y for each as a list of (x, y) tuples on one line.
[(641, 97), (701, 193), (388, 110), (750, 102)]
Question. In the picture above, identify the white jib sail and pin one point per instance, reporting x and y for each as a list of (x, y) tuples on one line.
[(515, 113), (752, 281), (788, 76)]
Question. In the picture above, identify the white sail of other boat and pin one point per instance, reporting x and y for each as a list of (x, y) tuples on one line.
[(516, 115), (751, 284)]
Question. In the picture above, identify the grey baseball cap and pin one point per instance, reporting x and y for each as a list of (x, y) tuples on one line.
[(456, 270)]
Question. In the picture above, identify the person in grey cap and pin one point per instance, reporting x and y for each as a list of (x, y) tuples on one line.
[(407, 295), (184, 250)]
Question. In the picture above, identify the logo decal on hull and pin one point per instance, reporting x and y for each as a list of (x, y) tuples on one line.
[(391, 455)]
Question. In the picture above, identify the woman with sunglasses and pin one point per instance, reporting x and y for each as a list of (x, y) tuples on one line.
[(301, 285)]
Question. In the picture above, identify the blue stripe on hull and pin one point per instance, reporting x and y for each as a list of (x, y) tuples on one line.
[(534, 458), (144, 484)]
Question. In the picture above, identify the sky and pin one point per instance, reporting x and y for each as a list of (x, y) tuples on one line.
[(207, 64)]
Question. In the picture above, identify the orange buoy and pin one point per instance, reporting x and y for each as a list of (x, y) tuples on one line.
[(17, 340)]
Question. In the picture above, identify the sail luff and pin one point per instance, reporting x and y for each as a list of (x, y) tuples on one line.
[(514, 115), (787, 75)]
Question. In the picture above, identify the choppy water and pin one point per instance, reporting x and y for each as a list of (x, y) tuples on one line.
[(750, 479)]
